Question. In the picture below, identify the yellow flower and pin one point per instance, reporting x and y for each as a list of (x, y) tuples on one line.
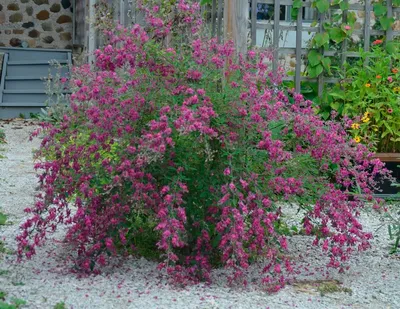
[(365, 119), (367, 85), (355, 126), (396, 89), (357, 139), (366, 114)]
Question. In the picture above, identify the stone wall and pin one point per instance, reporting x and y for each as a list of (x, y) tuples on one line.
[(36, 23)]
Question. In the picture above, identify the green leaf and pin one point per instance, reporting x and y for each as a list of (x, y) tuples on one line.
[(203, 2), (322, 5), (335, 105), (314, 58), (351, 18), (391, 47), (386, 22), (326, 62), (339, 95), (337, 34), (321, 39), (3, 219), (379, 9), (297, 4), (216, 240), (396, 2), (315, 71), (325, 115), (344, 5), (388, 127), (294, 13), (336, 17)]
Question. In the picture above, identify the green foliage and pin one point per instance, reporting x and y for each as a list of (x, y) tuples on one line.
[(337, 34), (335, 31), (57, 104), (370, 93), (379, 9), (60, 305), (321, 39), (14, 303), (2, 137), (386, 22), (3, 218), (322, 5)]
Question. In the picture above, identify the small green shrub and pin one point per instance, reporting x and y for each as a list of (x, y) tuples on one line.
[(14, 303)]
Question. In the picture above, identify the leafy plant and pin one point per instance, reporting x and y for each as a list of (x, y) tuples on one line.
[(60, 305), (186, 154), (15, 303), (57, 91), (3, 218), (2, 137), (370, 94)]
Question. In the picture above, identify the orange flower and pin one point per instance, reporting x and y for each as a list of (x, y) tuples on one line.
[(378, 76), (377, 42), (395, 70)]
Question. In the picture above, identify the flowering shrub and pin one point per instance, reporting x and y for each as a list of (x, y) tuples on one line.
[(371, 95), (187, 154)]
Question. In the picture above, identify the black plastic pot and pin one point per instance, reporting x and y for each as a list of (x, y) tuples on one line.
[(392, 161)]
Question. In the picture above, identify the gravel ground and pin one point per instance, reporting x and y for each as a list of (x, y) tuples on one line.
[(42, 282)]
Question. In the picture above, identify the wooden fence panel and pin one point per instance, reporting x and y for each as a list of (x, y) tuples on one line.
[(276, 28)]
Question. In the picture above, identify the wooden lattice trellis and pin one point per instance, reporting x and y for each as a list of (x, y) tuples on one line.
[(299, 27)]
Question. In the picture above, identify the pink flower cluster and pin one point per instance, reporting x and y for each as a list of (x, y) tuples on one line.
[(182, 18)]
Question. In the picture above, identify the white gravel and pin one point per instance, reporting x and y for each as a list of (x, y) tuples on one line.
[(374, 276)]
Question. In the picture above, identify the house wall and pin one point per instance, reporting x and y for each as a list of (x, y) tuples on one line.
[(36, 23)]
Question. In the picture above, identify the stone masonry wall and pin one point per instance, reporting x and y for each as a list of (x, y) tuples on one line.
[(36, 23)]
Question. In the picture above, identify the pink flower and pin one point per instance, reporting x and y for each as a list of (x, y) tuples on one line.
[(390, 110), (390, 79), (227, 171), (347, 27)]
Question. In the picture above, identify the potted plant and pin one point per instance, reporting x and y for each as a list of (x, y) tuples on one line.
[(369, 95)]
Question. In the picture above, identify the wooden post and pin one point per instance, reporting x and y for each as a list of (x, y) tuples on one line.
[(122, 12), (92, 32), (219, 27), (236, 13)]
